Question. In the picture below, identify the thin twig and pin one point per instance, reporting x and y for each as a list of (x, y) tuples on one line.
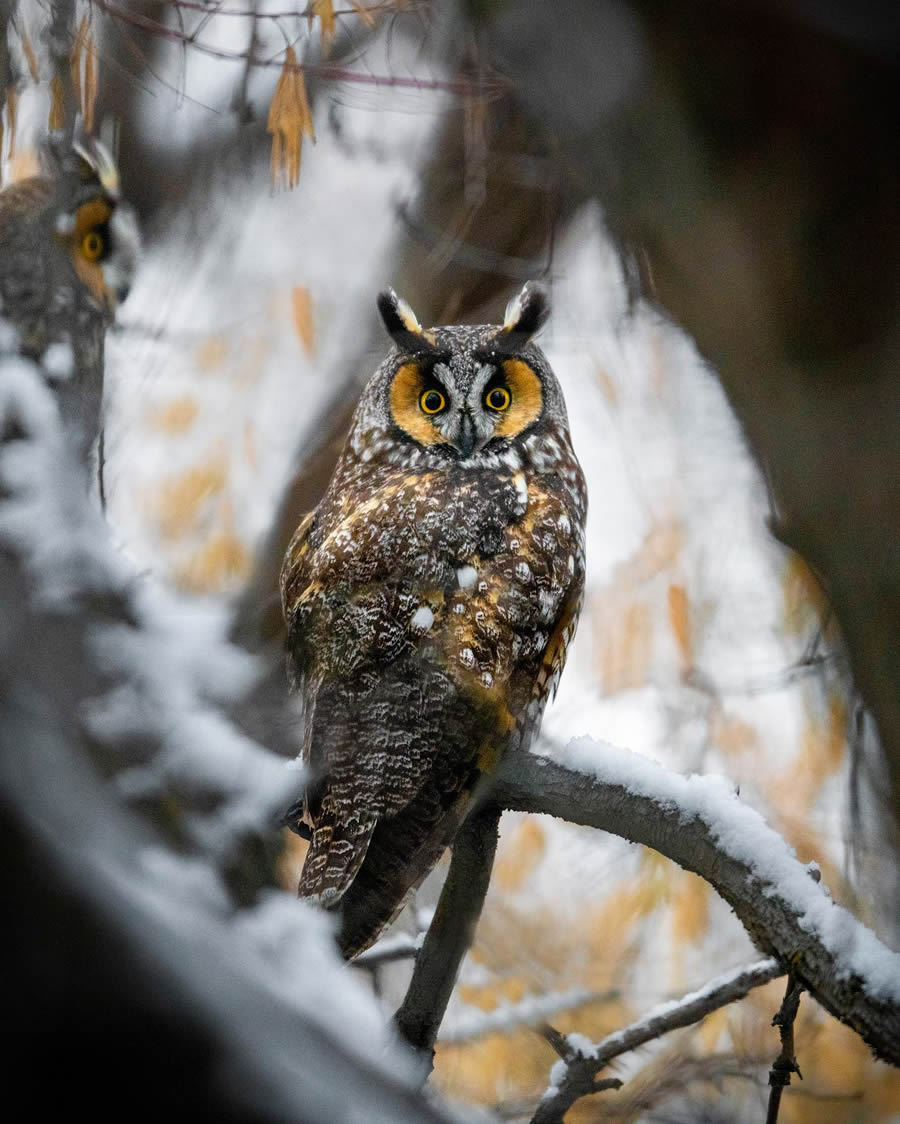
[(389, 950), (786, 1062), (291, 13), (451, 931), (489, 87), (527, 1012), (577, 1077)]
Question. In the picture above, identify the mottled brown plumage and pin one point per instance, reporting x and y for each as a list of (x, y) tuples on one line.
[(429, 600), (68, 250)]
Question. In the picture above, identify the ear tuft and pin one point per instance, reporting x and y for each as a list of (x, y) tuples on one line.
[(401, 323), (526, 313), (96, 165)]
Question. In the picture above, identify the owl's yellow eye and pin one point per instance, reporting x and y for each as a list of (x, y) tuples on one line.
[(92, 245), (498, 399), (432, 401)]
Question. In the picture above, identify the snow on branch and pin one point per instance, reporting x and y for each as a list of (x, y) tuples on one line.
[(115, 700), (700, 823), (162, 678), (575, 1075), (506, 1017)]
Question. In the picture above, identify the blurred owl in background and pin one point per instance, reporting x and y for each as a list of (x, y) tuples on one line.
[(430, 599), (68, 252)]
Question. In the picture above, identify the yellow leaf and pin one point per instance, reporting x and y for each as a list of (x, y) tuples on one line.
[(713, 1027), (627, 643), (803, 595), (324, 9), (57, 116), (289, 120), (75, 57), (210, 353), (176, 416), (89, 92), (184, 499), (606, 384), (521, 856), (690, 909), (290, 860), (301, 304), (12, 108), (679, 619), (30, 57), (221, 560), (730, 734)]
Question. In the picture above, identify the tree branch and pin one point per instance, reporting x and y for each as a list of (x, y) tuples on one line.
[(110, 925), (529, 1011), (451, 931), (786, 1062), (581, 1062), (699, 823)]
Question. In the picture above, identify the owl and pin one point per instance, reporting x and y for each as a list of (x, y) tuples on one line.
[(429, 601), (68, 251)]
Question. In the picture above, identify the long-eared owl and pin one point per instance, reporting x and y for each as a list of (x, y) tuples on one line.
[(429, 599), (68, 251)]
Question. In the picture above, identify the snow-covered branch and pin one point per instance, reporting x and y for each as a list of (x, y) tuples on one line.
[(125, 925), (575, 1075), (507, 1017), (700, 823)]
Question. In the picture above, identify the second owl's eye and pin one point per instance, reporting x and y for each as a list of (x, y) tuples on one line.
[(432, 401), (93, 245), (498, 399)]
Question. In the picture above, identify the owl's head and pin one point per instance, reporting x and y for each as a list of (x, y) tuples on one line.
[(96, 229), (461, 393)]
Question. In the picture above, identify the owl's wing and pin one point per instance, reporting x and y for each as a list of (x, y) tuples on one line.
[(554, 658), (293, 578)]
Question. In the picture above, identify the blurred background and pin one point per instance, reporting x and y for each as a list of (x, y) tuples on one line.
[(723, 173)]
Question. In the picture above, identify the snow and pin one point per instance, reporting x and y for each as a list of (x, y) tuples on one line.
[(422, 620), (58, 361), (470, 1023), (466, 576), (741, 832), (275, 960), (674, 496)]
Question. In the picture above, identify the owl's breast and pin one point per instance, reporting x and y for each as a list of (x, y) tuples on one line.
[(468, 576)]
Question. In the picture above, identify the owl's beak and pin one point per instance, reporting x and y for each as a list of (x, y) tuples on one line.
[(466, 438)]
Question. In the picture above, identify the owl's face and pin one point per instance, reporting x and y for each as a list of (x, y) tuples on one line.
[(458, 394), (97, 230), (101, 238)]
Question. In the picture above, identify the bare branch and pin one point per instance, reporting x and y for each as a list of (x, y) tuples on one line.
[(402, 946), (786, 1062), (527, 1012), (451, 931), (576, 1075), (489, 87), (701, 825)]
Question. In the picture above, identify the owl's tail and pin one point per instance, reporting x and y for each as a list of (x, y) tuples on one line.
[(402, 851), (336, 852)]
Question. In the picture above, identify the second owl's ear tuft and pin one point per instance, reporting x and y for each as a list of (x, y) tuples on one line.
[(402, 325), (525, 314)]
